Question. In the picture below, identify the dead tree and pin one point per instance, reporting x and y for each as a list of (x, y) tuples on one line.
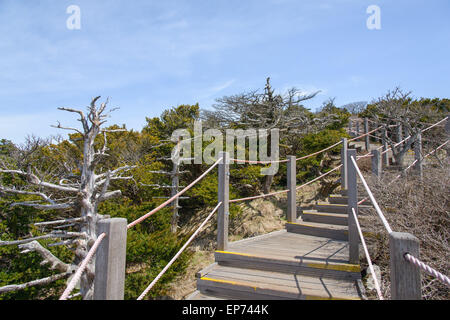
[(267, 110), (355, 107), (78, 187), (397, 110)]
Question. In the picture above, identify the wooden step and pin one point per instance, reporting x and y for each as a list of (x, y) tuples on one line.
[(331, 231), (283, 251), (242, 283), (296, 265), (340, 199), (325, 217)]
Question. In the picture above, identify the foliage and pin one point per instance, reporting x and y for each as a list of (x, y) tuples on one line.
[(151, 244)]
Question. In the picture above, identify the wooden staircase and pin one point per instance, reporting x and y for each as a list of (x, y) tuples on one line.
[(307, 260)]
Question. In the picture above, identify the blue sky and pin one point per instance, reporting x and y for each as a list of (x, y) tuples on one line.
[(148, 56)]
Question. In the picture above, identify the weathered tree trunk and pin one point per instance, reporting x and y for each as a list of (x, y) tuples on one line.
[(85, 195)]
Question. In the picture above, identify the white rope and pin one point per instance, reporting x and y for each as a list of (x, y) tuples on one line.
[(365, 134), (321, 176), (320, 151), (372, 198), (83, 266), (369, 261), (143, 294), (162, 205), (434, 124)]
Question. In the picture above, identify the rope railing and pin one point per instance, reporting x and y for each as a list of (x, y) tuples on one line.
[(144, 293), (422, 131), (259, 161), (286, 160), (367, 155), (82, 267), (145, 216), (415, 161), (319, 177), (375, 137), (407, 256), (372, 198), (318, 152), (259, 196), (366, 251), (365, 134), (408, 167), (287, 190), (427, 269), (303, 157), (437, 123)]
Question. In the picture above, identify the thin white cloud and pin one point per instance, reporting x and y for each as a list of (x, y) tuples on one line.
[(221, 87)]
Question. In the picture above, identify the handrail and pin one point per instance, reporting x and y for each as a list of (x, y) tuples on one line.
[(366, 251), (427, 269), (367, 155), (319, 177), (81, 268), (259, 196), (408, 167), (435, 124), (303, 157), (145, 216), (144, 293), (320, 151), (287, 190), (372, 198), (365, 134), (259, 161), (415, 161), (408, 137)]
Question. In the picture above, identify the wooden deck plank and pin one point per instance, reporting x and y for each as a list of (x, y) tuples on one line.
[(293, 256), (293, 246), (319, 252), (280, 283)]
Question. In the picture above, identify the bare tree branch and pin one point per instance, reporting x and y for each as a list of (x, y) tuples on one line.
[(49, 258), (47, 280)]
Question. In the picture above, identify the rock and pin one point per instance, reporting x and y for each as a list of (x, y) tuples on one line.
[(370, 283)]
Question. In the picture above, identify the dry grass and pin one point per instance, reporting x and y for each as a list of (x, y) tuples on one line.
[(417, 207)]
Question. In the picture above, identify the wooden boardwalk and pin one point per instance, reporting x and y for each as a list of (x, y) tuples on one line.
[(307, 260)]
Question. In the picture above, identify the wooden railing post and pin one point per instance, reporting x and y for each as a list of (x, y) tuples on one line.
[(110, 259), (357, 129), (377, 168), (344, 164), (418, 155), (385, 147), (405, 277), (292, 193), (366, 130), (224, 197), (352, 193)]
